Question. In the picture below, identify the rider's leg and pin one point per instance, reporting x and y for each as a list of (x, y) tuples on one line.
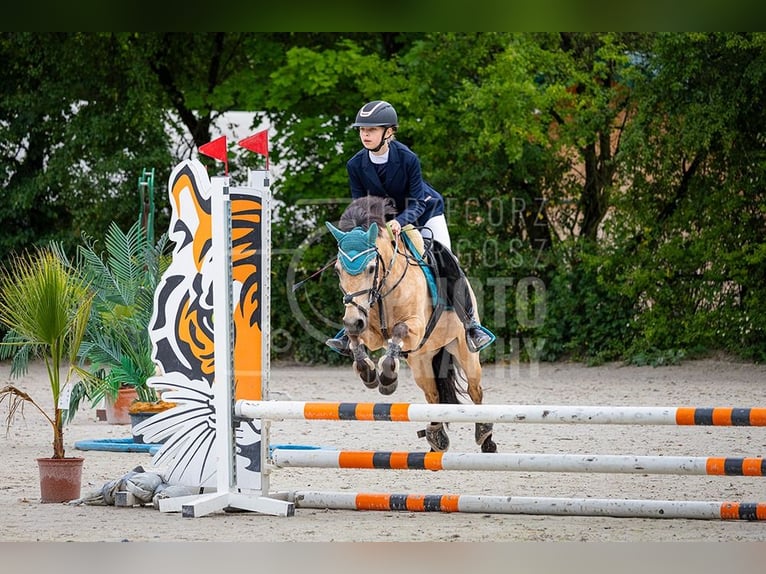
[(459, 296), (436, 229)]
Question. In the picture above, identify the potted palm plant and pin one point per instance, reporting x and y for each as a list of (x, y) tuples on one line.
[(117, 349), (45, 308)]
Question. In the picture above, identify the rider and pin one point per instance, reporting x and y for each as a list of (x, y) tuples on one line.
[(388, 168)]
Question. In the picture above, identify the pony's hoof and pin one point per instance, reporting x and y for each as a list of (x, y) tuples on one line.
[(488, 445), (369, 378), (482, 433), (387, 388), (437, 437), (388, 381), (388, 370), (366, 371)]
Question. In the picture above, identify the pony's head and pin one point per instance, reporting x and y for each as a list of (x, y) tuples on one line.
[(364, 257), (359, 271)]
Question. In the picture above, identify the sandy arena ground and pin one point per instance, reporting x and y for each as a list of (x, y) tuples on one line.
[(696, 383)]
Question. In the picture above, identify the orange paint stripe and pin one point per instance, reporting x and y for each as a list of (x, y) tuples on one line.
[(355, 459), (449, 502), (363, 412), (371, 501), (722, 416), (758, 417), (433, 461), (730, 510), (715, 465), (321, 411), (399, 460), (751, 467), (685, 415), (416, 502), (400, 412)]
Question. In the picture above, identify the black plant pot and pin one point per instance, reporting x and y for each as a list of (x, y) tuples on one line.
[(137, 418)]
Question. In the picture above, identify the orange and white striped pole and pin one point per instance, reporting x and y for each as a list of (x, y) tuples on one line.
[(620, 508), (543, 414), (521, 462)]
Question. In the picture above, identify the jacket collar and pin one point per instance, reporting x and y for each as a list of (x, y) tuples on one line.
[(393, 165)]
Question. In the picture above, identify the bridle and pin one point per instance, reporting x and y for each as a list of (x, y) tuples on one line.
[(375, 294)]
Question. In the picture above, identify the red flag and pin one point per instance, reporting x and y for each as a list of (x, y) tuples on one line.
[(258, 143), (217, 150)]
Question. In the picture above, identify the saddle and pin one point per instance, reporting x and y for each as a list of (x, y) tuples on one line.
[(446, 281), (430, 263)]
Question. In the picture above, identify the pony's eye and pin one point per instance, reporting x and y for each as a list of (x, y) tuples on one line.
[(370, 269)]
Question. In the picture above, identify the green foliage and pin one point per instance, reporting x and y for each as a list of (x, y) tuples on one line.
[(588, 319), (45, 307), (117, 347), (76, 125), (657, 358), (692, 230)]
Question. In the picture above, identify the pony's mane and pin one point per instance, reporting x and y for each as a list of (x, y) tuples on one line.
[(363, 211)]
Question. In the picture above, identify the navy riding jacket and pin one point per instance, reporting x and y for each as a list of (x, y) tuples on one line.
[(416, 201)]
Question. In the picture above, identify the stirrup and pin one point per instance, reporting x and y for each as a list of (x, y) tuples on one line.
[(339, 344), (478, 338)]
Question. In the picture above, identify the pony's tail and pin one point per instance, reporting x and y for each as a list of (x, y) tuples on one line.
[(446, 375)]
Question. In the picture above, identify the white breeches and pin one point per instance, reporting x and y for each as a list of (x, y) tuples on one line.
[(436, 228)]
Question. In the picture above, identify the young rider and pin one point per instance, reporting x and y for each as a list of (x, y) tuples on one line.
[(388, 168)]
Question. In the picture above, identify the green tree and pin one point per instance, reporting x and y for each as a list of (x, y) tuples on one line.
[(77, 126), (692, 223)]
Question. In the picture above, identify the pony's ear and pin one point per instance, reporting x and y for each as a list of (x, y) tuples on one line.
[(372, 233), (337, 233)]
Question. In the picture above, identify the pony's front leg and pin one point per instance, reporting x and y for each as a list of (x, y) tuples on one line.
[(388, 365), (363, 365)]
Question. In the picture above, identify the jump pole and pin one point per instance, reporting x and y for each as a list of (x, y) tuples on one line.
[(621, 508), (487, 504), (467, 413), (522, 462)]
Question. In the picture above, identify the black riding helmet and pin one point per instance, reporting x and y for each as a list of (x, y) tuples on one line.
[(376, 114)]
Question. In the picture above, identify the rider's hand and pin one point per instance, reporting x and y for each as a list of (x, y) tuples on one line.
[(395, 227)]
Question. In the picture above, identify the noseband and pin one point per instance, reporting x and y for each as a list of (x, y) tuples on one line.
[(375, 293)]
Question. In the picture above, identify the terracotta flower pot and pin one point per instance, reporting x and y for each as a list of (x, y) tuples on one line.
[(60, 478), (117, 411)]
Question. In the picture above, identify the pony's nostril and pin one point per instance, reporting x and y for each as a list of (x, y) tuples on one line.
[(355, 326)]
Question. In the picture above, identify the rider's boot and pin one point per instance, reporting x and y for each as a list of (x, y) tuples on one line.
[(340, 343)]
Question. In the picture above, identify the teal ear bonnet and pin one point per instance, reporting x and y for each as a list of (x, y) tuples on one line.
[(356, 248)]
